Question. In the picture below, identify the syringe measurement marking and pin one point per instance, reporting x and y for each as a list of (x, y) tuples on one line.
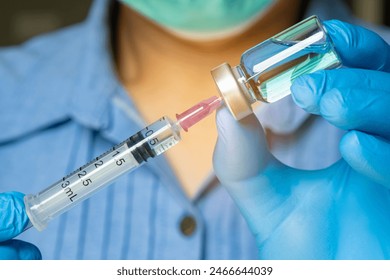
[(97, 162), (87, 181), (165, 145), (68, 191)]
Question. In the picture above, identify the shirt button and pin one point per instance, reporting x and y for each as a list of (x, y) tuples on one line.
[(188, 225)]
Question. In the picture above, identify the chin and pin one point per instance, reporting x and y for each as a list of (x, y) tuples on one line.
[(212, 37)]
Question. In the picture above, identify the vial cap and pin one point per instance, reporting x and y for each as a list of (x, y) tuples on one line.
[(231, 91)]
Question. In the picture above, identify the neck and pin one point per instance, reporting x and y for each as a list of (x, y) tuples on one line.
[(141, 40)]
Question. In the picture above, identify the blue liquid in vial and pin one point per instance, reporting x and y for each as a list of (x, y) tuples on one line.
[(274, 81)]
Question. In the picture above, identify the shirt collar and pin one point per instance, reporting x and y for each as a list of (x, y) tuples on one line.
[(96, 81)]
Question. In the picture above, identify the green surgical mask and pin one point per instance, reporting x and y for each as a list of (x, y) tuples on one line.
[(201, 19)]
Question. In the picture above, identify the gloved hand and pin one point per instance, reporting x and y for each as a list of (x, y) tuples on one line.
[(342, 211), (355, 99), (13, 220)]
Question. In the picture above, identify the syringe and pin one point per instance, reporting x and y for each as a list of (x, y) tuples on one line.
[(127, 156)]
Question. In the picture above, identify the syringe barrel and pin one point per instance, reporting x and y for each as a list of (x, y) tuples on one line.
[(151, 141)]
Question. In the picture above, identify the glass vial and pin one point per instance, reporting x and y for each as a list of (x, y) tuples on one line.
[(267, 70)]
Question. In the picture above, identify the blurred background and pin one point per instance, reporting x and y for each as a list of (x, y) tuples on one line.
[(22, 19)]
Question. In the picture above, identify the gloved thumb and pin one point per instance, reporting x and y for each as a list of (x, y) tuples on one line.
[(13, 220), (367, 154), (19, 250), (13, 217), (241, 151)]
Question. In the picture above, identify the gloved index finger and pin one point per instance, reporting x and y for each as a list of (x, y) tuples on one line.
[(359, 47), (13, 217)]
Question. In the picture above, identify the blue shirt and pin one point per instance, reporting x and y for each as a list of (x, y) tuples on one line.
[(61, 104)]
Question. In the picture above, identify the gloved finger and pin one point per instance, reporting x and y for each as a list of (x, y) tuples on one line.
[(359, 47), (241, 151), (240, 158), (13, 217), (348, 98), (368, 155), (19, 250), (244, 165)]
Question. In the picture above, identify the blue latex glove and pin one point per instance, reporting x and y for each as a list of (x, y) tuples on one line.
[(355, 99), (342, 211), (13, 221)]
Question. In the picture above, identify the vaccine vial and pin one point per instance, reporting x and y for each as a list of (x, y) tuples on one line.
[(266, 71)]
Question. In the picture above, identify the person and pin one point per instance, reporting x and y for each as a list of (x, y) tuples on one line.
[(69, 96)]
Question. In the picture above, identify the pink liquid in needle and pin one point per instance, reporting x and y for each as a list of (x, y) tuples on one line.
[(198, 112)]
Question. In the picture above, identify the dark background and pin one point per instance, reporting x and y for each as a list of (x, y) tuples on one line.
[(22, 19)]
